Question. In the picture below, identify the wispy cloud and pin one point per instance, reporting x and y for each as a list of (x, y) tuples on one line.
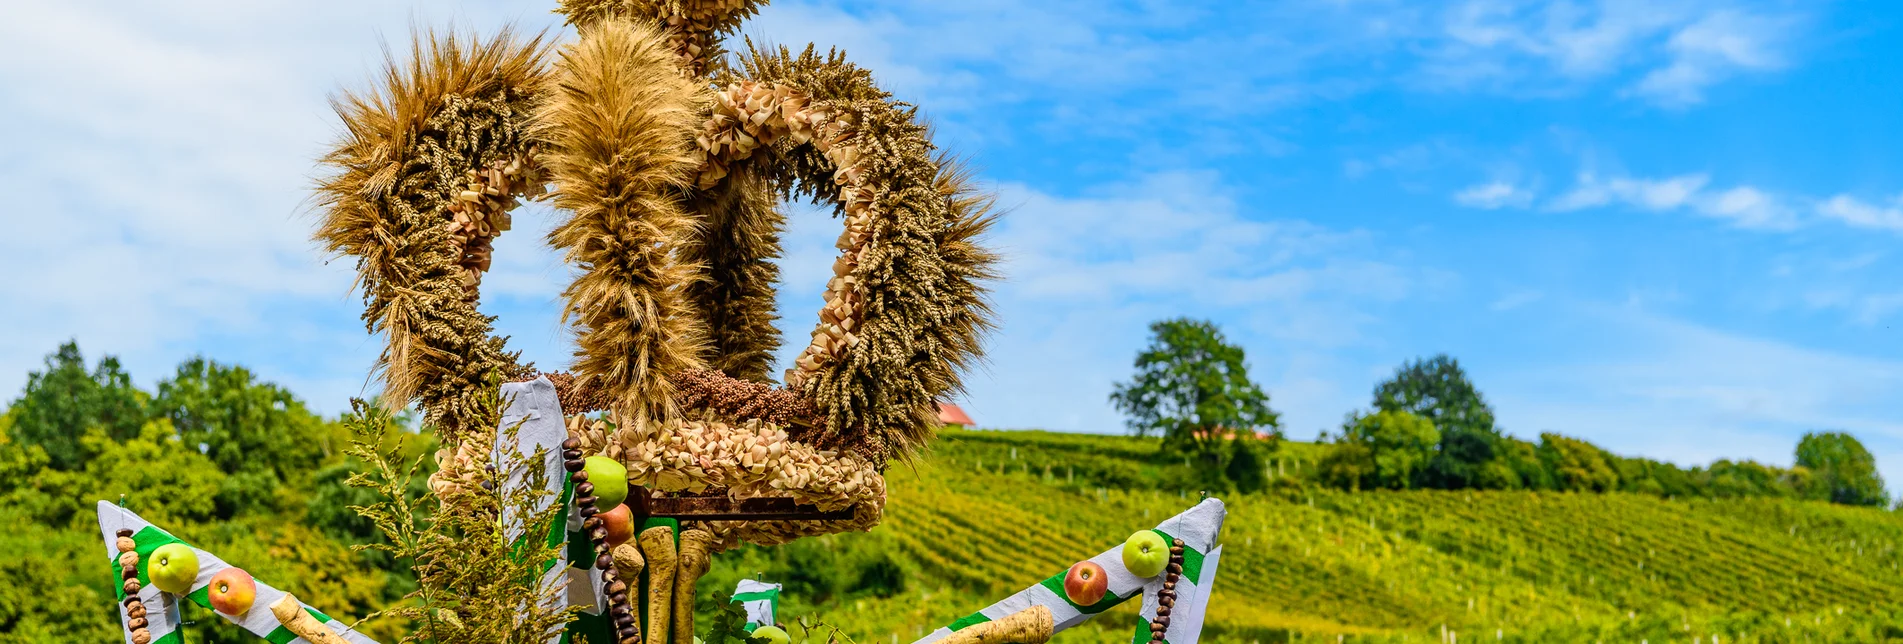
[(1677, 49), (1742, 206), (1494, 195), (1650, 194), (1718, 45), (1516, 300), (1861, 214)]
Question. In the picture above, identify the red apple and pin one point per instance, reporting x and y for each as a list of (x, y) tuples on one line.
[(1086, 583), (620, 524), (232, 591)]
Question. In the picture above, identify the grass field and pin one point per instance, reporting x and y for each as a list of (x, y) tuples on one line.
[(989, 513)]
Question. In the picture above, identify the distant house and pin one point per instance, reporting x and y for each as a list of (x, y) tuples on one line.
[(950, 414)]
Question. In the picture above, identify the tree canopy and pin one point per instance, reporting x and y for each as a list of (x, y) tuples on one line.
[(1192, 386), (1844, 471), (63, 401), (1438, 390)]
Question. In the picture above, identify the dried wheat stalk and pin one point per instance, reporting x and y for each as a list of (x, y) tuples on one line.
[(395, 200)]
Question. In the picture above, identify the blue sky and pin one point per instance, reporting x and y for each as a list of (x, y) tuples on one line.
[(1671, 227)]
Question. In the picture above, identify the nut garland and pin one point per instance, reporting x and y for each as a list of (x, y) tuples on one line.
[(1166, 598), (620, 609), (129, 573), (752, 459), (479, 212), (748, 460)]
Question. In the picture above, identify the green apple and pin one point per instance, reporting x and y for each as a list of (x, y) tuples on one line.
[(610, 480), (173, 567), (232, 591), (773, 634), (1145, 554)]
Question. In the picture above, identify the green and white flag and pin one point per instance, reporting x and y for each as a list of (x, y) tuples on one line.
[(162, 615), (534, 410), (1192, 600), (759, 599), (1198, 527)]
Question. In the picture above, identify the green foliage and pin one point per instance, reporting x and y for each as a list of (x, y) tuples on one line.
[(729, 623), (53, 584), (1576, 465), (1191, 385), (61, 403), (1384, 566), (1844, 471), (1438, 390), (1400, 445), (478, 579), (246, 426), (1349, 466), (1245, 468)]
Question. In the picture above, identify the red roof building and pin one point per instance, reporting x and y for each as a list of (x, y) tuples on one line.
[(950, 414)]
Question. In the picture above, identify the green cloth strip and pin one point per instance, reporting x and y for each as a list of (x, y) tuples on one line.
[(755, 596), (280, 635), (968, 620)]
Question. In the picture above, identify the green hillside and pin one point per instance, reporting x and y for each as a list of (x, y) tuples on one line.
[(1314, 564)]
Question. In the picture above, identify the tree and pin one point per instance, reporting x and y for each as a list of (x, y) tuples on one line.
[(61, 403), (1842, 471), (1245, 467), (1192, 387), (1577, 465), (1438, 390), (1349, 465), (1400, 445), (244, 424)]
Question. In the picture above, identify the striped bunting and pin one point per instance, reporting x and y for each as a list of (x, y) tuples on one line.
[(1198, 527), (162, 615)]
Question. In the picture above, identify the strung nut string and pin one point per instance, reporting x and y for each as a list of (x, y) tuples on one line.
[(1166, 598), (136, 622), (620, 611)]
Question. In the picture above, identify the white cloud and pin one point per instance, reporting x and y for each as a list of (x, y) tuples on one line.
[(1741, 206), (1678, 48), (1718, 45), (1860, 214), (1649, 194), (1494, 195)]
